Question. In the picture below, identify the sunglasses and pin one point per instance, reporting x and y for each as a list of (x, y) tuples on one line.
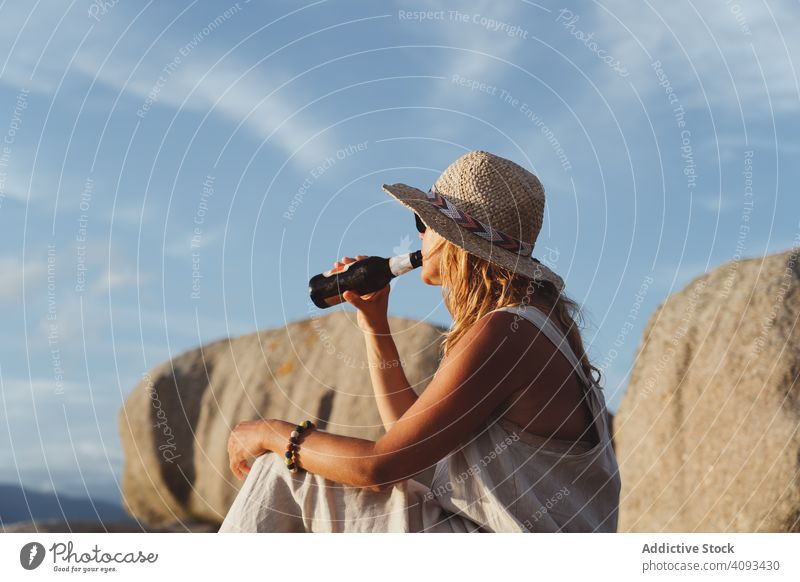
[(420, 225)]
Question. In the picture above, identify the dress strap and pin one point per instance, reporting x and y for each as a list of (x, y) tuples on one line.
[(595, 399), (540, 320)]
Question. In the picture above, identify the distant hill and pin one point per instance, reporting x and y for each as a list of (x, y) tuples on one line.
[(18, 504)]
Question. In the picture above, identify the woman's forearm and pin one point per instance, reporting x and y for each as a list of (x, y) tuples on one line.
[(393, 393), (343, 459)]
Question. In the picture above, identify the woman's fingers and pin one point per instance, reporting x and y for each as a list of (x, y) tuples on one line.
[(346, 260), (234, 460), (353, 298), (231, 464)]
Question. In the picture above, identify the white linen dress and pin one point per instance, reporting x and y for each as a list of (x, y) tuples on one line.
[(504, 479)]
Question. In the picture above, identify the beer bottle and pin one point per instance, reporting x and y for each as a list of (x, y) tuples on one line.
[(363, 276)]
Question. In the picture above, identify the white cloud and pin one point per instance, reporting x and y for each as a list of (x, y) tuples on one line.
[(496, 44), (732, 147), (71, 438), (717, 204), (497, 55), (253, 100), (48, 50), (14, 271), (474, 51), (713, 42), (182, 246), (61, 305), (12, 189), (115, 277)]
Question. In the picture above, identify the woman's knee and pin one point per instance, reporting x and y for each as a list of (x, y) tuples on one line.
[(269, 461)]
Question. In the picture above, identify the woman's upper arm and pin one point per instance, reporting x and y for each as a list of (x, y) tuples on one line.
[(475, 378)]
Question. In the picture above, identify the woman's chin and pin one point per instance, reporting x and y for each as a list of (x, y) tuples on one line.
[(428, 280)]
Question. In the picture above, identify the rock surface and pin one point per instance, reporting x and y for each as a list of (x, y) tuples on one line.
[(175, 424), (707, 433), (60, 526)]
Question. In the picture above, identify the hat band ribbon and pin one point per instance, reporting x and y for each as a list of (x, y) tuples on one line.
[(475, 226)]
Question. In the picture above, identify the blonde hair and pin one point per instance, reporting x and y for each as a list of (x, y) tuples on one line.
[(472, 287)]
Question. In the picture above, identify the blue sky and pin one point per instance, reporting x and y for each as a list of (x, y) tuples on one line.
[(172, 173)]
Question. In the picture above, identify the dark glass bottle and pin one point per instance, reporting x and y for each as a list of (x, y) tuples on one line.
[(364, 276)]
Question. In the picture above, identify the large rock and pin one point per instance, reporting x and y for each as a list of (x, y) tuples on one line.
[(175, 424), (707, 433), (61, 526)]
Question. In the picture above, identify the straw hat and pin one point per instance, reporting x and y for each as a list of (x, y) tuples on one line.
[(487, 205)]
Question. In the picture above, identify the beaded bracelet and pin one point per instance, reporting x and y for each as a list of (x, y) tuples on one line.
[(294, 440)]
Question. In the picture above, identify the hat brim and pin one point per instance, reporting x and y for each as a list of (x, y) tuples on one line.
[(417, 201)]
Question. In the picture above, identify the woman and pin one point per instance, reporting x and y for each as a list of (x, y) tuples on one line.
[(512, 419)]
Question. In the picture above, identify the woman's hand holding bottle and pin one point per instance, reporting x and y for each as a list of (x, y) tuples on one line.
[(372, 308)]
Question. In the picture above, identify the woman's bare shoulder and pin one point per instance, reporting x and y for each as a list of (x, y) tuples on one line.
[(509, 343)]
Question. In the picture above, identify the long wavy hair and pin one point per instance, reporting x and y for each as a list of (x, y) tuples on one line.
[(472, 287)]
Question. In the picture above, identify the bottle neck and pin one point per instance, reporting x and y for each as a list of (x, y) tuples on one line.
[(402, 264)]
